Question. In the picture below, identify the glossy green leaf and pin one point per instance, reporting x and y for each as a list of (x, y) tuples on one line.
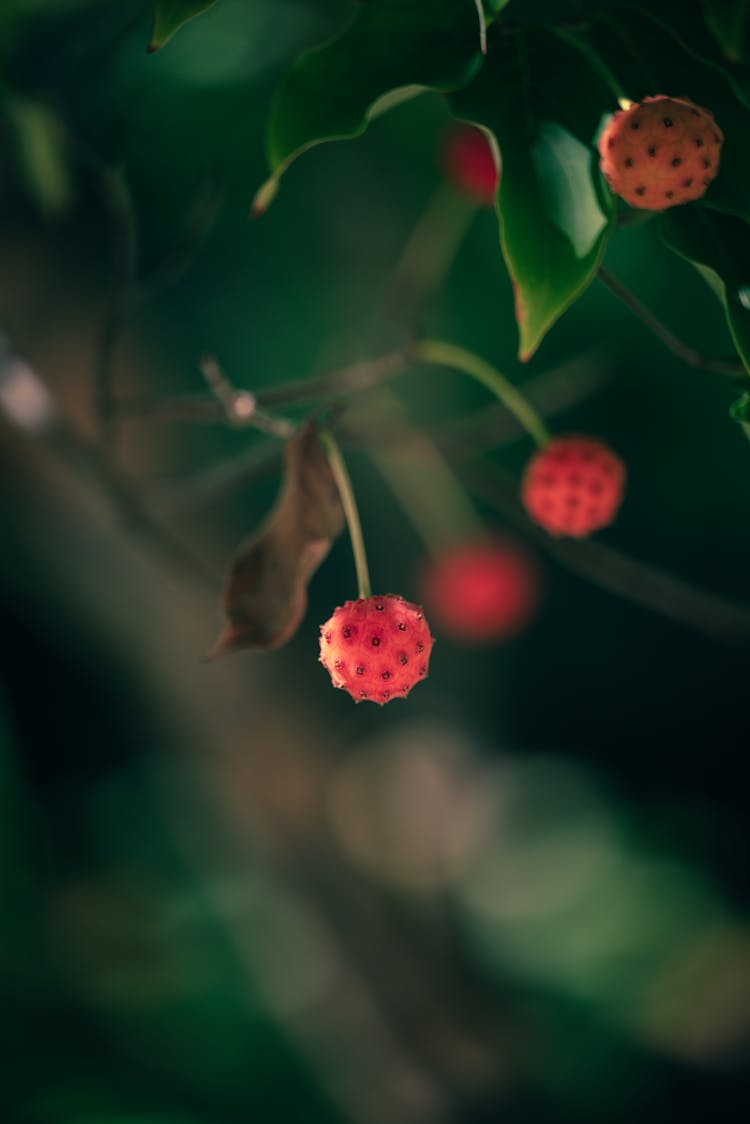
[(391, 51), (719, 247), (170, 15), (729, 21), (554, 211)]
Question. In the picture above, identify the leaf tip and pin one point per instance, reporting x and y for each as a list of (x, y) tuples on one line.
[(264, 197)]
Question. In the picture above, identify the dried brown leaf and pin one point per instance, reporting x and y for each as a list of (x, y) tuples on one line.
[(266, 592)]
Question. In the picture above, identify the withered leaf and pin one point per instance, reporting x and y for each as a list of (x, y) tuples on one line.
[(266, 592)]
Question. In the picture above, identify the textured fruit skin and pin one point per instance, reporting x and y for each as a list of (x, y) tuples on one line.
[(573, 486), (482, 590), (376, 648), (660, 152), (469, 164)]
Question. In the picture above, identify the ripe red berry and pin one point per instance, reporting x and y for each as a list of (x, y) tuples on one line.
[(468, 162), (573, 486), (376, 648), (481, 591), (660, 152)]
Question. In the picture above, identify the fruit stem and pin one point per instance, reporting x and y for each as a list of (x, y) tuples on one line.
[(444, 354), (349, 504)]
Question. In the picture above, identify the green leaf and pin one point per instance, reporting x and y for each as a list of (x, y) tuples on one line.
[(554, 211), (393, 50), (728, 21), (719, 247), (170, 15), (739, 411)]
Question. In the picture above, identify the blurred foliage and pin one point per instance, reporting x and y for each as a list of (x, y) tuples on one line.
[(228, 893)]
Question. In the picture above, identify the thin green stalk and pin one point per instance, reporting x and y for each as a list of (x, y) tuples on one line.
[(449, 355), (349, 504)]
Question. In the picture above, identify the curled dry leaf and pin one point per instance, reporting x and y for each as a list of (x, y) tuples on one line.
[(266, 591)]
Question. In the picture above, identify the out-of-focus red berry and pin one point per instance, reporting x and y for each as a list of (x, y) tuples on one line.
[(481, 591), (468, 162), (573, 486)]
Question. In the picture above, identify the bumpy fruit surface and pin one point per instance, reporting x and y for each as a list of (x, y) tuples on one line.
[(660, 152), (573, 486), (469, 164), (376, 648), (481, 591)]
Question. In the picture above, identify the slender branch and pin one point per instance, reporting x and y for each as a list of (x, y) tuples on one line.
[(731, 368), (240, 407), (349, 503), (353, 379), (448, 355)]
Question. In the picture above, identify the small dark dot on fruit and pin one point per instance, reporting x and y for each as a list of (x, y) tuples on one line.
[(337, 665), (695, 113), (669, 194), (375, 641), (676, 161), (688, 182), (402, 626), (385, 694), (346, 633), (611, 142), (651, 150), (422, 671), (667, 122), (385, 675), (363, 694), (699, 142), (629, 162), (572, 501), (706, 162), (420, 646), (328, 637), (360, 669), (403, 658), (635, 125), (706, 183), (420, 616), (380, 607), (640, 191)]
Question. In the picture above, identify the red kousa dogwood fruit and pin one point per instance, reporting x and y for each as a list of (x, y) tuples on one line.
[(573, 486), (376, 648), (660, 152)]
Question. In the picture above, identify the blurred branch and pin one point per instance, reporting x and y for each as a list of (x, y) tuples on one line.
[(729, 367)]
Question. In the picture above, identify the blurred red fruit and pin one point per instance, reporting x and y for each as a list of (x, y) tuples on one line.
[(469, 164), (573, 486), (481, 591), (376, 648)]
